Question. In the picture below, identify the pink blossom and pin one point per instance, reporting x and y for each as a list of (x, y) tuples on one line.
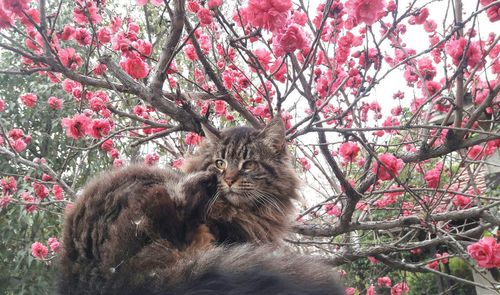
[(351, 291), (204, 16), (332, 209), (39, 250), (371, 290), (192, 139), (9, 185), (99, 128), (104, 35), (4, 201), (268, 14), (486, 252), (107, 145), (99, 69), (40, 190), (117, 163), (69, 58), (391, 162), (420, 17), (86, 12), (384, 282), (292, 39), (461, 201), (190, 52), (151, 159), (2, 105), (432, 177), (76, 127), (220, 107), (400, 288), (16, 6), (349, 151), (28, 99), (6, 20), (82, 36), (305, 163), (367, 11), (18, 145), (177, 163), (54, 244), (193, 6), (475, 153), (58, 192), (55, 103), (135, 67), (212, 4)]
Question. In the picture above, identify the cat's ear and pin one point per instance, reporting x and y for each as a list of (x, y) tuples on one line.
[(211, 134), (273, 135)]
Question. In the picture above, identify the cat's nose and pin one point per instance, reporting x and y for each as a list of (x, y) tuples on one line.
[(229, 181)]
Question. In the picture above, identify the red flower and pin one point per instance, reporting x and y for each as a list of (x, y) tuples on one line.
[(18, 145), (384, 281), (9, 185), (332, 209), (305, 163), (54, 244), (135, 67), (400, 288), (76, 127), (28, 99), (292, 39), (420, 17), (41, 190), (2, 105), (38, 250), (461, 201), (432, 178), (5, 19), (151, 159), (104, 35), (212, 4), (69, 58), (391, 162), (177, 163), (16, 6), (268, 14), (349, 151), (204, 16), (192, 138), (55, 103), (58, 192), (367, 11), (486, 252), (193, 6), (99, 128), (107, 145)]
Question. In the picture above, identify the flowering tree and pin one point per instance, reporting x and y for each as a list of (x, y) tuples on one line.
[(392, 114)]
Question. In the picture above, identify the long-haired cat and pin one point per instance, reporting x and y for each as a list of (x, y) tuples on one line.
[(143, 230)]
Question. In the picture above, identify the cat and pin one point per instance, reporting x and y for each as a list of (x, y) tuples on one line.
[(212, 229)]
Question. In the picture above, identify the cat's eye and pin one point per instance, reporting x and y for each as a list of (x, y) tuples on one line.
[(220, 164), (249, 166)]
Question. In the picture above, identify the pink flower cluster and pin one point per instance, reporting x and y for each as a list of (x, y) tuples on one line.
[(267, 14), (486, 252), (81, 125), (28, 99), (40, 251), (392, 163), (367, 11), (349, 151), (18, 140)]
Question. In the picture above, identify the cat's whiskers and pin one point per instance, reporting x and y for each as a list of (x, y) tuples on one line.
[(212, 202), (264, 198)]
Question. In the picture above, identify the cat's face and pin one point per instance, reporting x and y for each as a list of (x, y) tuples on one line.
[(253, 166)]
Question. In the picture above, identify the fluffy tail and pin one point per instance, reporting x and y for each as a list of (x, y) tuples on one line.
[(246, 270)]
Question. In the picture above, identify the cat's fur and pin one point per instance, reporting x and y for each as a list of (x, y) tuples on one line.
[(143, 230)]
